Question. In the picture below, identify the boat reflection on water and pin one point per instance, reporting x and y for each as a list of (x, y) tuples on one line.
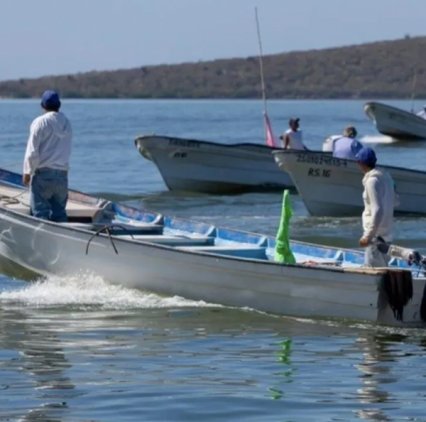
[(37, 364), (379, 355)]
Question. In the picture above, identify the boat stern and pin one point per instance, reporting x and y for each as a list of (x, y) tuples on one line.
[(401, 299)]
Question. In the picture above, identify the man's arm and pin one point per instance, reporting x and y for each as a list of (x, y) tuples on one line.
[(376, 204), (286, 141), (31, 158)]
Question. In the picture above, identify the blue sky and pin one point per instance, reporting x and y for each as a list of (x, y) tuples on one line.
[(50, 37)]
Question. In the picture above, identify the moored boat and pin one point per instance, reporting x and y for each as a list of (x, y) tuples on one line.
[(331, 186), (165, 255), (210, 167), (395, 122)]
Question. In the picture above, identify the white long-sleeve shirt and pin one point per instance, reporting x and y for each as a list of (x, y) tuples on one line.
[(49, 143), (379, 203)]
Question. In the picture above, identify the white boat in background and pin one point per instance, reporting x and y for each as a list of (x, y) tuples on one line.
[(210, 167), (331, 186), (395, 122), (198, 261)]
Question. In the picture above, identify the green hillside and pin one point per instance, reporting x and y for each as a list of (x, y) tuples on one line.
[(376, 70)]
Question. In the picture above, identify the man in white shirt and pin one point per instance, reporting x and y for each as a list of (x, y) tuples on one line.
[(292, 138), (379, 203), (46, 160)]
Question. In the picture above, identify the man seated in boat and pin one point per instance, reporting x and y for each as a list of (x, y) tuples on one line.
[(422, 113), (292, 137), (347, 146)]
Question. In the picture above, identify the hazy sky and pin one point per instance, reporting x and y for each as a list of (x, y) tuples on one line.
[(49, 37)]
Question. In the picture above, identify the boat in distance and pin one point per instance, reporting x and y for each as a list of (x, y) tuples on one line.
[(395, 122), (211, 167), (198, 261), (332, 187)]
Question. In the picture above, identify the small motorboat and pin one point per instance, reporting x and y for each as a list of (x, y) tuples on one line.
[(211, 167), (172, 256), (395, 122)]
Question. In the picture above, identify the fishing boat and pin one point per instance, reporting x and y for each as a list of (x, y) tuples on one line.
[(395, 122), (331, 186), (210, 167), (171, 256)]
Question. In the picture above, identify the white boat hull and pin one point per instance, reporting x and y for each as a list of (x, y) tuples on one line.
[(233, 268), (333, 187), (395, 122), (208, 167)]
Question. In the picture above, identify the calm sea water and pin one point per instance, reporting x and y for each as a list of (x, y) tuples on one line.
[(79, 349)]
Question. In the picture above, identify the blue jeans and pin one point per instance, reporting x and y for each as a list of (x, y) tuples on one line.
[(49, 194)]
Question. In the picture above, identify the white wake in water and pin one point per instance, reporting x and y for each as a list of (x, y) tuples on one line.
[(377, 139), (89, 290)]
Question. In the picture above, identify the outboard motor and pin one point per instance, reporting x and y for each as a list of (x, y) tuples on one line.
[(412, 256), (400, 291)]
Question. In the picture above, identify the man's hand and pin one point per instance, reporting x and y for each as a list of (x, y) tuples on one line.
[(364, 241), (26, 179)]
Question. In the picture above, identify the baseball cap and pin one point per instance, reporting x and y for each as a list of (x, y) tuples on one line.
[(50, 100), (366, 156), (293, 120)]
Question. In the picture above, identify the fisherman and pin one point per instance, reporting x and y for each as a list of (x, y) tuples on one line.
[(292, 138), (47, 159), (379, 203), (347, 146)]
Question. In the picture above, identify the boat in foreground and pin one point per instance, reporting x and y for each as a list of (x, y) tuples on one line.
[(395, 122), (331, 186), (170, 256), (210, 167)]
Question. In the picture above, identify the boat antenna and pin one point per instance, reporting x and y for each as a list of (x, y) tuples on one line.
[(262, 78), (413, 89), (270, 139)]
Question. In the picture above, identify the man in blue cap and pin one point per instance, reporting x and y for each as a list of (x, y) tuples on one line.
[(379, 203), (46, 160)]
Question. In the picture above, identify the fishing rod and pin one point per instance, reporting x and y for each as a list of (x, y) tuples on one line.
[(270, 139), (413, 89), (262, 78)]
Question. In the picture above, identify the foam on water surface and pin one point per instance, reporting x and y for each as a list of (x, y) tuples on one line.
[(89, 290)]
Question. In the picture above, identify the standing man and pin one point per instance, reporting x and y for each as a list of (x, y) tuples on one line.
[(46, 160), (379, 202), (292, 138)]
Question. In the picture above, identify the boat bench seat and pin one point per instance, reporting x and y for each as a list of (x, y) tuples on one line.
[(172, 240), (243, 251), (140, 228), (75, 212)]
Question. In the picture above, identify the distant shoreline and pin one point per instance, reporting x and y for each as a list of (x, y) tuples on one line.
[(381, 70)]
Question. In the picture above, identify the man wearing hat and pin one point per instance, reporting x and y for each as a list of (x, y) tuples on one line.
[(379, 203), (292, 138), (46, 160)]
